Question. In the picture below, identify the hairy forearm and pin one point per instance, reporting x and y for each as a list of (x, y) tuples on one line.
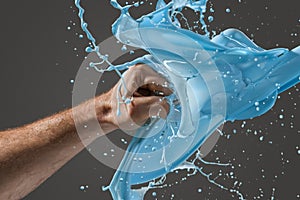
[(32, 153)]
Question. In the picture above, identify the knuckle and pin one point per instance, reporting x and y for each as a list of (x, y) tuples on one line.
[(139, 66)]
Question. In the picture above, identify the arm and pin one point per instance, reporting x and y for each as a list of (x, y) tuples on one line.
[(32, 153)]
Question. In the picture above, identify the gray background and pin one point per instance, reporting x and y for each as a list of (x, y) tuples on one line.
[(39, 60)]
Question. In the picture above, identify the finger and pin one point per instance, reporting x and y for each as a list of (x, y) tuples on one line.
[(137, 94), (151, 106), (159, 90), (141, 75)]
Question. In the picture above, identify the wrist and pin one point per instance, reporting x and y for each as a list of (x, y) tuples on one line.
[(93, 113), (105, 112)]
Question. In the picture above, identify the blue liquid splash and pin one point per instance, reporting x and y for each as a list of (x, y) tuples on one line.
[(224, 78)]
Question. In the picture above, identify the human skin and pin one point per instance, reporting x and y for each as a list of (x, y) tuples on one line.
[(32, 153)]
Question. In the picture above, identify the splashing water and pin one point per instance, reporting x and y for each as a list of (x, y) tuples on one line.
[(224, 78)]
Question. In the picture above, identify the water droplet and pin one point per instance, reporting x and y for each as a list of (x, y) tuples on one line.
[(127, 101), (236, 82), (270, 142), (88, 49), (280, 116), (82, 187), (228, 10), (261, 138), (124, 48), (124, 141)]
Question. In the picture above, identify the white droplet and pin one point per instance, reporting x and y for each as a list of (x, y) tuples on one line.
[(280, 116), (261, 138), (81, 187)]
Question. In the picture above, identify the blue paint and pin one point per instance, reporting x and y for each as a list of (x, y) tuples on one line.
[(225, 78)]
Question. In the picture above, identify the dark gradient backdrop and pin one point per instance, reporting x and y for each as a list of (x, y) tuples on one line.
[(39, 57)]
